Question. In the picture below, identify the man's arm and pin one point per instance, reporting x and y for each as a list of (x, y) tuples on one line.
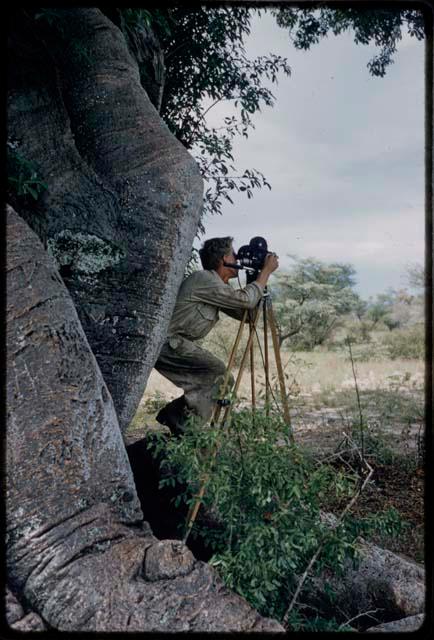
[(270, 264), (234, 301)]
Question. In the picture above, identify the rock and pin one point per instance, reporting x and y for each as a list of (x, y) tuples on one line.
[(14, 610), (384, 582), (30, 622), (167, 559), (411, 623), (18, 619)]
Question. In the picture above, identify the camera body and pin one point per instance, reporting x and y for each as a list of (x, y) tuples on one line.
[(253, 255)]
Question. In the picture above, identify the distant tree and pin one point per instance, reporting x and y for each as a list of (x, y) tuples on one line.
[(313, 297), (378, 309), (415, 275), (360, 308), (393, 309)]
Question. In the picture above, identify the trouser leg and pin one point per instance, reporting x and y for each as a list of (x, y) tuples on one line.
[(199, 374)]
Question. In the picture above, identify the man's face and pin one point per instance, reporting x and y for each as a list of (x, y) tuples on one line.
[(231, 258)]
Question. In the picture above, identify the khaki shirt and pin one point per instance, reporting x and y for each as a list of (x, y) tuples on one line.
[(199, 300)]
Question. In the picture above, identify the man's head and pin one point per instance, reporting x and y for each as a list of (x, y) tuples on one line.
[(215, 252)]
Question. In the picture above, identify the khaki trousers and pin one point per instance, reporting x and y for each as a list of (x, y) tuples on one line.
[(196, 371)]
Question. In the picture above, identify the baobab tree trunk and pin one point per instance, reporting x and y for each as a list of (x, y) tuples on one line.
[(123, 197), (78, 551)]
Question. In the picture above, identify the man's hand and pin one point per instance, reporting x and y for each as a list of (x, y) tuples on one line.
[(271, 263)]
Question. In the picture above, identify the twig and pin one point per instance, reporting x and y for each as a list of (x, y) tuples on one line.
[(359, 615), (358, 399), (338, 454), (318, 551), (300, 584)]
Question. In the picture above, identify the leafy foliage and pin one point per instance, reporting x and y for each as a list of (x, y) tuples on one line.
[(23, 178), (406, 343), (267, 494), (313, 295), (380, 26), (206, 64)]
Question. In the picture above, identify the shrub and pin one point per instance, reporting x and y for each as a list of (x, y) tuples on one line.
[(155, 403), (406, 343), (268, 494)]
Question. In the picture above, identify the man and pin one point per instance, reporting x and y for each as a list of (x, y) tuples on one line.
[(201, 296)]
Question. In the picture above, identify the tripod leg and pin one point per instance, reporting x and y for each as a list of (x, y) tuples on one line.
[(252, 372), (266, 364), (191, 517), (279, 367), (217, 410), (242, 364)]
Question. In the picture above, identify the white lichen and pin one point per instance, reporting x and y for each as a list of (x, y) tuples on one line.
[(83, 252)]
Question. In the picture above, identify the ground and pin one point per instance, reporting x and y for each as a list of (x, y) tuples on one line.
[(324, 410)]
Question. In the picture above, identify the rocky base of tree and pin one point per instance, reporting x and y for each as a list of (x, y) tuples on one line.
[(20, 620), (381, 587), (410, 623), (159, 586)]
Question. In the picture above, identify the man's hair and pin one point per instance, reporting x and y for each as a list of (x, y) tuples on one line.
[(213, 251)]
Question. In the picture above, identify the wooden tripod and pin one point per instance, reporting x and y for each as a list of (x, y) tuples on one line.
[(269, 320)]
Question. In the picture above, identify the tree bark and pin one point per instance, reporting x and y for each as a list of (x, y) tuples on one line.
[(78, 551), (383, 583), (124, 196)]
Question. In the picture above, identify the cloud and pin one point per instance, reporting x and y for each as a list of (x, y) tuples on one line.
[(344, 154)]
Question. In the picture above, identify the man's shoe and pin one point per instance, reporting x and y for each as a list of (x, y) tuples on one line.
[(173, 416)]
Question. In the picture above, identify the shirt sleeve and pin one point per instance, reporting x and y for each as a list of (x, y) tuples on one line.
[(227, 298)]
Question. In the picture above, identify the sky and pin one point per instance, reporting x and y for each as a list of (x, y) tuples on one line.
[(344, 154)]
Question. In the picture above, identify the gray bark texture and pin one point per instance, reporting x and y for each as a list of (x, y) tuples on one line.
[(18, 619), (411, 623), (79, 554), (384, 585), (124, 197)]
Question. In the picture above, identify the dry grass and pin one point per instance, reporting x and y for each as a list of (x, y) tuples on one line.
[(315, 377)]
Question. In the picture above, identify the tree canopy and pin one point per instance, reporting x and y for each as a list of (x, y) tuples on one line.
[(312, 297)]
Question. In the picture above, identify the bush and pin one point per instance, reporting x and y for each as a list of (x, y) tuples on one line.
[(155, 403), (359, 332), (406, 343), (268, 494)]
